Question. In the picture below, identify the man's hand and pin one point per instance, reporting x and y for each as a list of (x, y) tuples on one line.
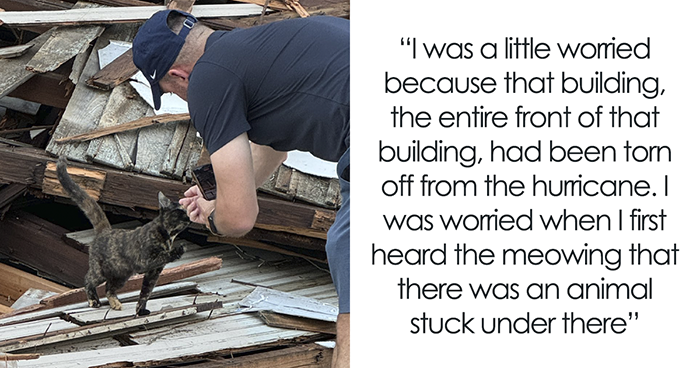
[(197, 207)]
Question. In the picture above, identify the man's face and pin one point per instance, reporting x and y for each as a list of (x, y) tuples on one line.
[(175, 85)]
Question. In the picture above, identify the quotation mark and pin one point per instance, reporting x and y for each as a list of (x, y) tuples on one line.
[(636, 315), (407, 42)]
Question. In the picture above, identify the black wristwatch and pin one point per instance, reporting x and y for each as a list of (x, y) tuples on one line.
[(212, 226)]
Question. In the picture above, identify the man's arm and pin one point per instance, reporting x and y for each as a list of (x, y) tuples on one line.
[(265, 161), (240, 167)]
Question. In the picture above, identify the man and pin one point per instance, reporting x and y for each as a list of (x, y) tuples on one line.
[(253, 95)]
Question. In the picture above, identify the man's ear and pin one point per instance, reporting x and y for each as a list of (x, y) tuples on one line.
[(179, 73)]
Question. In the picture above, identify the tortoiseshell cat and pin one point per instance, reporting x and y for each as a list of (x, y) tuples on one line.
[(117, 254)]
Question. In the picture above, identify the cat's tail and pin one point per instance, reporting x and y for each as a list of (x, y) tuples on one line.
[(89, 206)]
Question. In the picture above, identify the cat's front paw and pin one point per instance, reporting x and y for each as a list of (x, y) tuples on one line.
[(94, 303), (143, 312), (176, 253), (114, 303)]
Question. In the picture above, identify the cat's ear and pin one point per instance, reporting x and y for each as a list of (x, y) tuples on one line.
[(163, 201)]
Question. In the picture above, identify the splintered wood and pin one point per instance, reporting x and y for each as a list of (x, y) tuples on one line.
[(92, 181)]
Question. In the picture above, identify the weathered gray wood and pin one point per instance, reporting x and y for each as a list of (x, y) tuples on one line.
[(175, 149), (158, 291), (68, 334), (154, 305), (295, 185), (74, 346), (153, 144), (118, 150), (33, 328), (64, 44), (192, 151), (118, 14), (31, 296), (10, 52), (13, 72), (86, 106)]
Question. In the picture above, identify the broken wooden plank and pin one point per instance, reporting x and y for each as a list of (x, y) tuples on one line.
[(134, 283), (10, 52), (297, 323), (86, 105), (14, 283), (14, 357), (288, 239), (184, 5), (320, 220), (37, 243), (118, 15), (208, 336), (179, 148), (114, 73), (64, 44), (13, 72), (293, 184), (52, 324), (297, 7), (330, 8), (86, 317), (118, 150), (26, 165), (111, 327), (306, 355), (260, 245), (125, 127), (92, 181), (40, 311), (5, 309)]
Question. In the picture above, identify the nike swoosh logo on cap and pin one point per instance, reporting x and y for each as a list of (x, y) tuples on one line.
[(153, 76)]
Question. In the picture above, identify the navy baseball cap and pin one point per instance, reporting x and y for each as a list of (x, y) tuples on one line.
[(156, 47)]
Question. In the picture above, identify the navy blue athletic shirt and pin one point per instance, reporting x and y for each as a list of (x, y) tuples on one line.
[(286, 83)]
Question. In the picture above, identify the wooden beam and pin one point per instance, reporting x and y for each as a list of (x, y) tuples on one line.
[(110, 327), (33, 5), (297, 323), (341, 10), (306, 356), (5, 309), (15, 357), (14, 282), (168, 275), (91, 181), (74, 17), (260, 245), (132, 125), (37, 243), (27, 165)]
